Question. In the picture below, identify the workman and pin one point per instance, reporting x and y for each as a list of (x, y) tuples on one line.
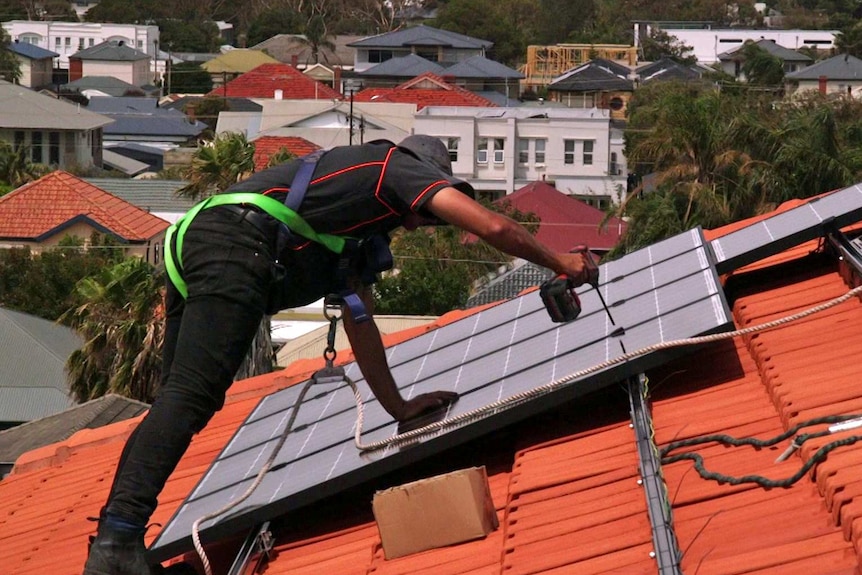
[(236, 262)]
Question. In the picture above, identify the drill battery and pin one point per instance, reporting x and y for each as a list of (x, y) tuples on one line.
[(561, 301)]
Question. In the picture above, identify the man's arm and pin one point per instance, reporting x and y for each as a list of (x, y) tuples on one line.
[(371, 356), (503, 233)]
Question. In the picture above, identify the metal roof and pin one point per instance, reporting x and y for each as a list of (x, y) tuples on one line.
[(841, 67), (408, 66), (151, 195), (422, 36), (33, 353), (111, 50), (31, 51), (509, 284), (144, 117), (481, 67), (667, 69), (772, 48), (60, 426), (594, 75), (21, 108), (107, 84)]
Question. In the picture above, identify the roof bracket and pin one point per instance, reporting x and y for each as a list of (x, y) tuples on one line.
[(256, 548), (666, 551)]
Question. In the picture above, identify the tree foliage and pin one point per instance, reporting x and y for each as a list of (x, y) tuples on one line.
[(122, 324), (218, 164), (44, 284), (721, 156), (437, 267), (10, 66), (188, 78)]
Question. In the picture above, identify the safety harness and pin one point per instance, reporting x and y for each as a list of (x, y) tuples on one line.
[(376, 249)]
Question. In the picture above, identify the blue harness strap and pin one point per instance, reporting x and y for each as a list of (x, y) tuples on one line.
[(294, 198)]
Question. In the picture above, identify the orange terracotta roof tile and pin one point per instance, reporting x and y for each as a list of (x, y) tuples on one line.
[(49, 205), (425, 90), (263, 81), (565, 484), (266, 146)]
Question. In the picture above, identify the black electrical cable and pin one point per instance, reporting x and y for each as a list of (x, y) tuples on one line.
[(760, 480)]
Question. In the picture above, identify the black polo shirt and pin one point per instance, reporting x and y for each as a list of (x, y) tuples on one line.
[(356, 191)]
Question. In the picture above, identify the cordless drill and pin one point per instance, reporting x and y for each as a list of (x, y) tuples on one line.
[(559, 296)]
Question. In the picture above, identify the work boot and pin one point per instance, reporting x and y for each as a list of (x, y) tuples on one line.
[(118, 552)]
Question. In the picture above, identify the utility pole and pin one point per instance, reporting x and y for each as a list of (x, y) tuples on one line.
[(352, 86)]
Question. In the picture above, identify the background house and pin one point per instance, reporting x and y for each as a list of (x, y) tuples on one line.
[(68, 38), (840, 74), (733, 60), (40, 214), (295, 50), (55, 132), (433, 44), (33, 368), (37, 64), (113, 58), (499, 150), (233, 63), (596, 84)]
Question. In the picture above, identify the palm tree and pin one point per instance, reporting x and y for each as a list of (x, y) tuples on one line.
[(218, 164), (122, 325)]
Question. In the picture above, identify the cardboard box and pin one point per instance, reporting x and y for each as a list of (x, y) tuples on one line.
[(435, 512)]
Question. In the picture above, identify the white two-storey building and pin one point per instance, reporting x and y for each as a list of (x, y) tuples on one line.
[(499, 150)]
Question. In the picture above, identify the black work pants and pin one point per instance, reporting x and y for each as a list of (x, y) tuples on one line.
[(227, 264)]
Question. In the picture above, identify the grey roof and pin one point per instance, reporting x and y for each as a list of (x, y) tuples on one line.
[(598, 74), (23, 109), (500, 99), (481, 67), (841, 67), (233, 104), (59, 427), (667, 69), (112, 51), (408, 66), (143, 117), (509, 284), (283, 47), (33, 353), (128, 166), (107, 84), (784, 54), (151, 195), (31, 51), (196, 57), (421, 36)]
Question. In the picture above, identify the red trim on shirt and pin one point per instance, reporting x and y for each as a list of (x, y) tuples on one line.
[(426, 190)]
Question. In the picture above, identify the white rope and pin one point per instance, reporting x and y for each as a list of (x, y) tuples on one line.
[(490, 408)]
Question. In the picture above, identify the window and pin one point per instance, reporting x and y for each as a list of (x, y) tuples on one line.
[(58, 42), (540, 151), (431, 54), (614, 168), (598, 202), (588, 152), (34, 39), (91, 42), (19, 139), (499, 150), (568, 151), (80, 43), (377, 56), (452, 146), (54, 148), (36, 147), (523, 151), (68, 42), (482, 151)]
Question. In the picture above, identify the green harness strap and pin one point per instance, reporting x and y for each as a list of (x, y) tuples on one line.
[(271, 206)]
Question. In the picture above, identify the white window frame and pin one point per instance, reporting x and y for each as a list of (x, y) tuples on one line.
[(499, 150), (589, 147), (452, 147), (569, 152), (523, 151), (539, 154), (482, 151)]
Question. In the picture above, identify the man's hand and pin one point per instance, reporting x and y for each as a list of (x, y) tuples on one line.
[(576, 267), (425, 403)]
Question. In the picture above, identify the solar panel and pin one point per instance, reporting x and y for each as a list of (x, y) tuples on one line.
[(665, 292), (782, 231)]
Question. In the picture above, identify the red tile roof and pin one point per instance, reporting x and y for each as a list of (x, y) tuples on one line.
[(425, 90), (565, 221), (263, 81), (47, 206), (565, 484), (266, 146)]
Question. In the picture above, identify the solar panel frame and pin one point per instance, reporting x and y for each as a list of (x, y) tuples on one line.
[(665, 292), (787, 229)]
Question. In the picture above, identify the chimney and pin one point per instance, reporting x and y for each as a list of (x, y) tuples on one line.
[(336, 79), (294, 60), (190, 112), (821, 84), (279, 94)]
